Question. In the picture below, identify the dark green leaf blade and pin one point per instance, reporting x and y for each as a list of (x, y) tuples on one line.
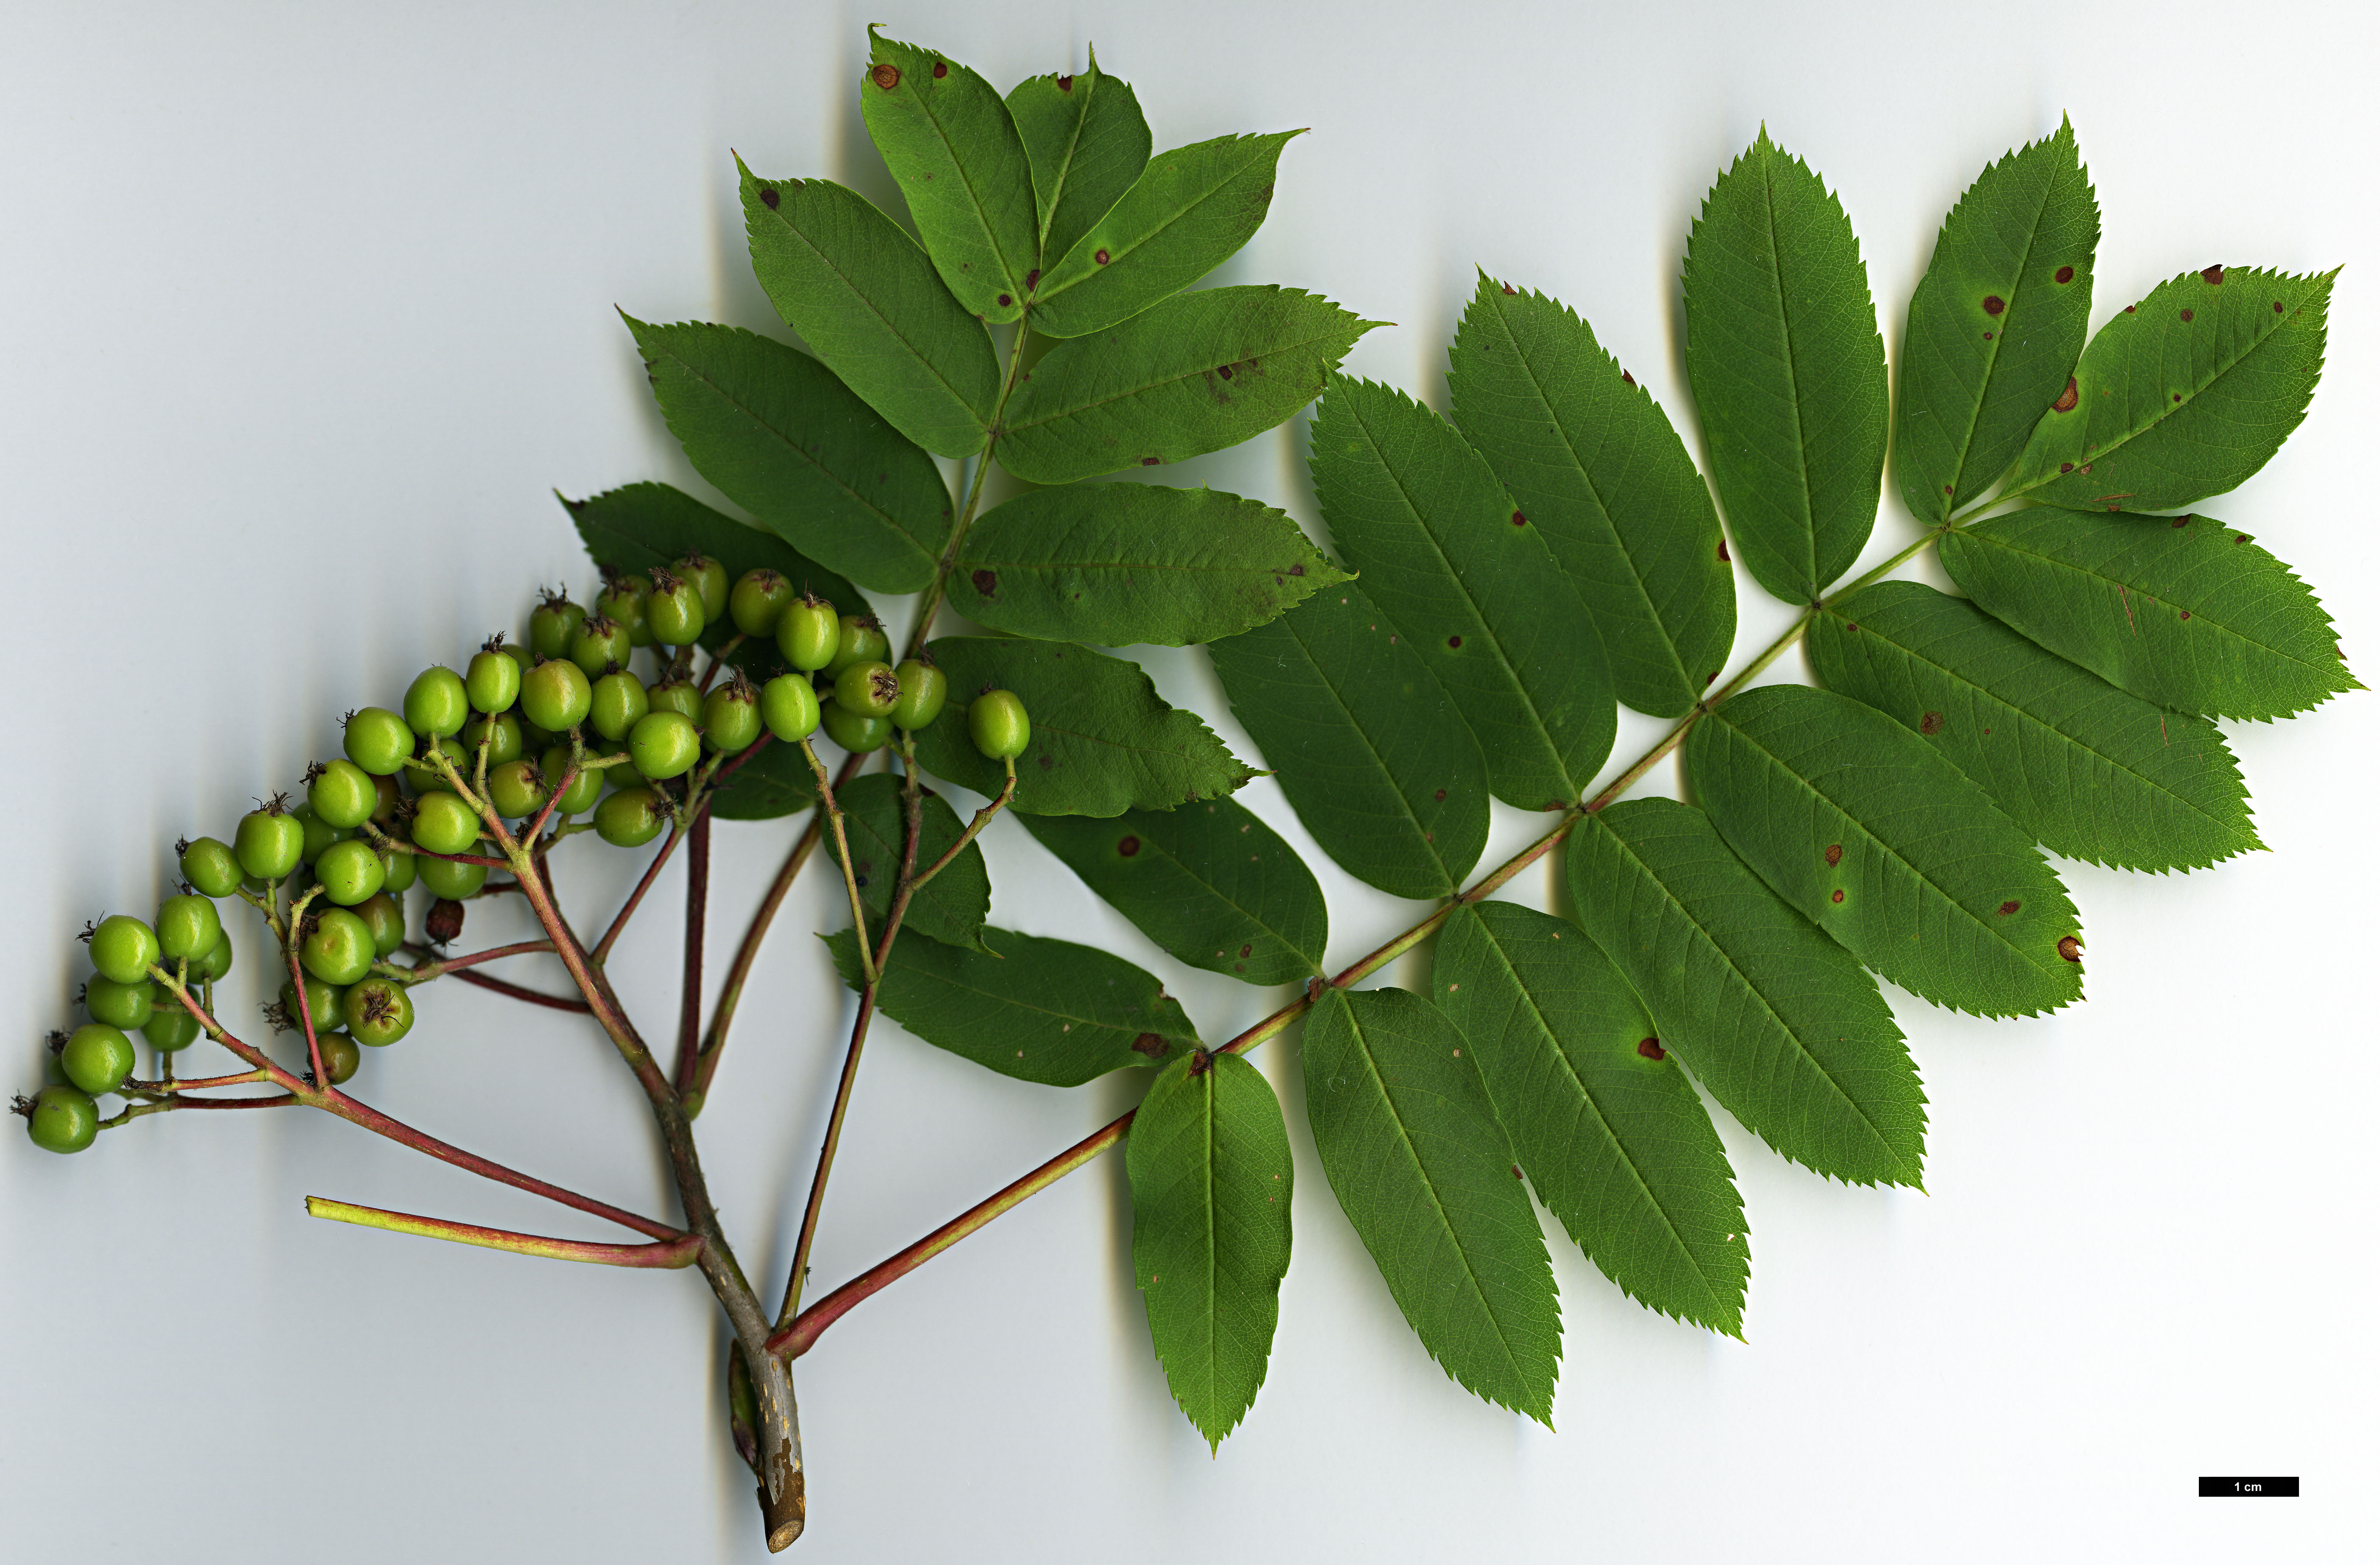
[(1368, 746), (2181, 610), (870, 304), (1212, 883), (1424, 1171), (1609, 1132), (1587, 454), (2184, 395), (2090, 771), (1190, 375), (1209, 1164), (1040, 1010), (781, 436), (1776, 1020), (1469, 582), (769, 786), (1995, 325), (951, 145), (1788, 371), (953, 904), (1086, 141), (1189, 212), (1121, 565), (1103, 741), (1868, 832)]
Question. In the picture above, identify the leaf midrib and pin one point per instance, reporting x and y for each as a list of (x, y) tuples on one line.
[(1793, 376)]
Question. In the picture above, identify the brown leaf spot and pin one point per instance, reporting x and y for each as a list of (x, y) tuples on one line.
[(1065, 84), (2180, 522), (2177, 397), (2214, 274), (1247, 950), (1651, 1048), (1507, 287), (2071, 948), (1297, 570), (887, 76), (1149, 461), (1151, 1044), (2186, 315), (1224, 371), (2066, 399), (940, 70), (1930, 723), (1005, 301), (1455, 641), (1441, 795), (1834, 855), (1948, 489), (1723, 555), (1627, 377), (1201, 1062), (1519, 520), (1100, 256), (986, 582), (2239, 538), (1987, 336), (2131, 309), (1994, 303), (2009, 907), (1127, 848), (2185, 613), (2066, 275), (1708, 677), (1032, 279), (2277, 307), (1839, 896), (769, 199), (2066, 466)]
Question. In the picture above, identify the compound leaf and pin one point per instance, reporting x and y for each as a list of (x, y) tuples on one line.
[(1788, 371), (1209, 1164), (1995, 325), (1212, 883), (2184, 395), (868, 303), (1424, 1171), (1868, 832), (1587, 454), (1609, 1131), (1187, 376), (1086, 141), (781, 436), (2181, 610), (1103, 741), (953, 905), (1464, 578), (1367, 743), (1040, 1010), (1118, 564), (1189, 212), (951, 145), (1776, 1020), (2089, 770)]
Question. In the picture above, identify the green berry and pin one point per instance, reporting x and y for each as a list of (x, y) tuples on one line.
[(97, 1058), (630, 817), (790, 707), (385, 798), (731, 718), (378, 1011), (552, 625), (492, 681), (555, 696), (384, 918), (426, 776), (665, 745), (584, 789), (340, 1056), (454, 881), (443, 823), (321, 1004), (268, 842), (859, 639), (996, 724), (868, 689), (855, 731), (338, 950), (600, 643), (623, 602), (618, 701), (170, 1027), (215, 963), (923, 691), (517, 789), (211, 866), (398, 871), (316, 833), (187, 927), (710, 578), (436, 702), (808, 633), (760, 596), (502, 736), (343, 793), (673, 609), (350, 872), (675, 696), (123, 947), (119, 1006), (63, 1119), (378, 740)]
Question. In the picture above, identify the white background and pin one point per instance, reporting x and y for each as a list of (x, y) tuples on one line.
[(308, 308)]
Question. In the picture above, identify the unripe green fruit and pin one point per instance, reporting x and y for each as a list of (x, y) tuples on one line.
[(996, 724), (731, 718), (384, 918), (710, 578), (790, 707), (503, 735), (316, 833), (451, 880), (552, 625), (436, 702), (673, 611), (584, 789), (63, 1119), (630, 817), (924, 689), (98, 1056), (398, 871), (211, 866), (339, 950), (675, 696), (598, 644), (123, 947), (268, 843), (665, 745), (215, 963), (378, 1011), (555, 696), (425, 774), (170, 1027), (869, 689), (619, 700), (350, 872), (443, 823), (341, 1058), (119, 1006), (855, 731), (859, 640), (808, 634), (321, 1004), (516, 788), (623, 602), (187, 927), (492, 681), (343, 794), (760, 597), (385, 798), (378, 741)]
